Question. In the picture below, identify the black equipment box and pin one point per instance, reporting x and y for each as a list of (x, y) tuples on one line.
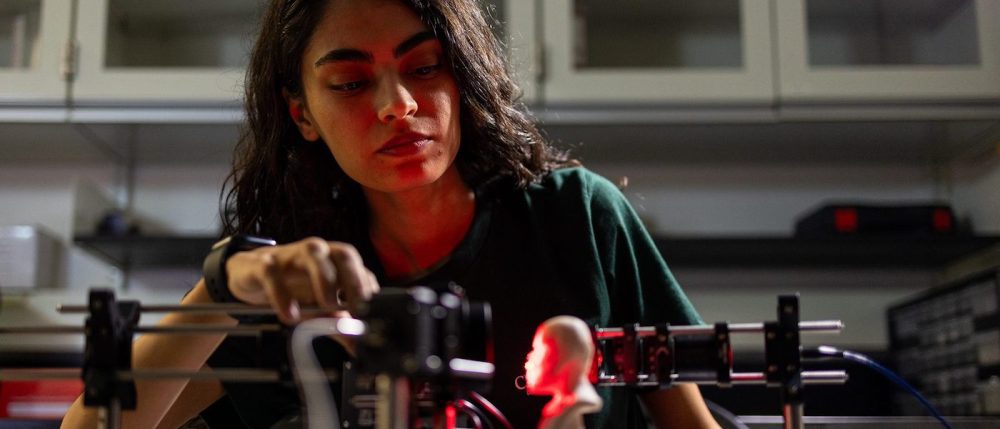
[(946, 343), (836, 220)]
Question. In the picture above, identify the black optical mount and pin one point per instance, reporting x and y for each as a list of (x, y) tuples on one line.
[(424, 351), (658, 356), (109, 329)]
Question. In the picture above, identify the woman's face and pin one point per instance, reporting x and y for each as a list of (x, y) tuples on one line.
[(379, 93)]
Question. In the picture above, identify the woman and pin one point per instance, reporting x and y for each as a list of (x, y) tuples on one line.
[(389, 129)]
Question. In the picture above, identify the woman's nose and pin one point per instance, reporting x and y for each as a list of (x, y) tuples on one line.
[(394, 100)]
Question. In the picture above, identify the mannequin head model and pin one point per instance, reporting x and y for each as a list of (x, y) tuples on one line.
[(561, 355)]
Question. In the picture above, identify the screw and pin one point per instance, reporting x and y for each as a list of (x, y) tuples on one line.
[(433, 362), (439, 312)]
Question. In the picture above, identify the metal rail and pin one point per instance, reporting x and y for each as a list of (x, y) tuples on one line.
[(242, 375), (820, 327), (239, 330), (738, 378), (225, 308)]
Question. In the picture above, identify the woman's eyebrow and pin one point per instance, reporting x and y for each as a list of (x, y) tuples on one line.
[(345, 54), (351, 54), (414, 41)]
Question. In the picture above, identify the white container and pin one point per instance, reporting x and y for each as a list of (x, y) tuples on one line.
[(30, 258)]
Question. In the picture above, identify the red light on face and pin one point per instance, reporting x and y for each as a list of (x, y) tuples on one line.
[(535, 365), (541, 370)]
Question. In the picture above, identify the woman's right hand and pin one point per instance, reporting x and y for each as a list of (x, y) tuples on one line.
[(311, 271)]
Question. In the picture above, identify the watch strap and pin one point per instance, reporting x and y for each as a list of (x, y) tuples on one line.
[(214, 268)]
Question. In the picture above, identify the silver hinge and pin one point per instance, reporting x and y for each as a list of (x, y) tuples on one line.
[(68, 65)]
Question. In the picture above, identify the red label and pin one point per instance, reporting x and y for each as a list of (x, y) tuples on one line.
[(845, 220), (41, 399), (942, 220)]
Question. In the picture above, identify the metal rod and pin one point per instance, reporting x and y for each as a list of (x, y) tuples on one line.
[(602, 334), (793, 416), (232, 375), (16, 330), (809, 377), (825, 377), (821, 326), (209, 329), (471, 369), (744, 378), (226, 308), (392, 408), (176, 329), (109, 417), (39, 374), (243, 375)]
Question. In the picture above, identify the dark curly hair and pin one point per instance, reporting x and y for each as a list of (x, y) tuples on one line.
[(281, 186)]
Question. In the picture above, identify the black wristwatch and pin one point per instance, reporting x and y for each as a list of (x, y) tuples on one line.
[(216, 281)]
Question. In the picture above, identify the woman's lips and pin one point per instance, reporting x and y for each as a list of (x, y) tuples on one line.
[(404, 145)]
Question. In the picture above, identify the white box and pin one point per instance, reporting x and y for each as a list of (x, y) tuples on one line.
[(30, 258)]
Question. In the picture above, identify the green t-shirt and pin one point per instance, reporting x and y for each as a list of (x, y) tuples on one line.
[(568, 245)]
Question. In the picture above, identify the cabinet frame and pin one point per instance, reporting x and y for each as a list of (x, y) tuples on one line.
[(97, 84), (799, 83), (751, 84), (42, 83)]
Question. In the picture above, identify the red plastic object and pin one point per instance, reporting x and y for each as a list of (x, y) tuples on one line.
[(38, 399)]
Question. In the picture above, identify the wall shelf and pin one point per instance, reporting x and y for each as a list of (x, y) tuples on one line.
[(138, 252), (853, 252)]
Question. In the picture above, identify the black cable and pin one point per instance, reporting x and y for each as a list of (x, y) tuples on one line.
[(474, 412), (827, 351), (492, 409)]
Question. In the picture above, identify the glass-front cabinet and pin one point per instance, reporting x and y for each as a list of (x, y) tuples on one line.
[(888, 50), (170, 52), (33, 37), (657, 51), (562, 52), (163, 51)]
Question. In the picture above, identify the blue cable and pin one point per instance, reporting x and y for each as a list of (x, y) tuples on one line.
[(827, 351)]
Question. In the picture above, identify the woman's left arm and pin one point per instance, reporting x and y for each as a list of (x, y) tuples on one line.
[(681, 406)]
